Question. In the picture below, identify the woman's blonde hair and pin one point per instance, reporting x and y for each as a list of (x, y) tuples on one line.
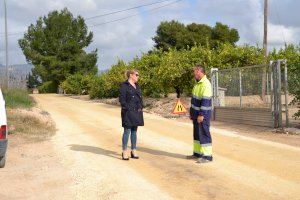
[(131, 71)]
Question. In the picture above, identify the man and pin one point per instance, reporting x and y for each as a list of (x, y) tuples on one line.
[(200, 113)]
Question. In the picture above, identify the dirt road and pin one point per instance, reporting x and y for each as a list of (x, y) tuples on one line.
[(88, 143)]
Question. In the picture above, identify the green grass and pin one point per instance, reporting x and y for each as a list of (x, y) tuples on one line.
[(17, 98)]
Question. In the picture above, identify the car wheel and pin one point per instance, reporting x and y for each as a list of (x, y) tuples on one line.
[(2, 162)]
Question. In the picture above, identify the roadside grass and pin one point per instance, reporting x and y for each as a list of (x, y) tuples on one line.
[(17, 98), (24, 119)]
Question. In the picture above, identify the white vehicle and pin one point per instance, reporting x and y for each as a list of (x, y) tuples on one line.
[(3, 131)]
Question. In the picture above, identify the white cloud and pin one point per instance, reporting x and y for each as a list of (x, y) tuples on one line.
[(126, 39), (279, 35)]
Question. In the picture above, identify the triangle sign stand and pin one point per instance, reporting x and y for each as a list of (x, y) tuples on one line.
[(179, 108)]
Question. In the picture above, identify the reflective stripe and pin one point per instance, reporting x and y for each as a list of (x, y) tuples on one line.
[(197, 147), (206, 145), (195, 97), (208, 98), (205, 108), (195, 107), (199, 98), (202, 149), (207, 150)]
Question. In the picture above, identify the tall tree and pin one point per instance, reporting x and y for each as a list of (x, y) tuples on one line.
[(32, 81), (221, 33), (199, 34), (55, 46), (171, 35), (178, 36)]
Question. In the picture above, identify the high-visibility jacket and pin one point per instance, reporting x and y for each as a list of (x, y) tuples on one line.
[(201, 103)]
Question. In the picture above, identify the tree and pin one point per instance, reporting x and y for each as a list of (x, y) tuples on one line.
[(223, 34), (55, 46), (176, 35), (32, 81), (200, 34), (171, 35)]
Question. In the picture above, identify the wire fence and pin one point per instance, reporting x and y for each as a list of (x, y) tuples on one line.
[(253, 87), (245, 87)]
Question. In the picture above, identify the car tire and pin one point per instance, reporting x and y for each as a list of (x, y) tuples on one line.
[(2, 162)]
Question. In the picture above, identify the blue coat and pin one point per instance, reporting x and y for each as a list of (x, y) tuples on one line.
[(132, 105)]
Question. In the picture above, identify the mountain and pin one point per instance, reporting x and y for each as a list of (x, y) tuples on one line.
[(21, 69)]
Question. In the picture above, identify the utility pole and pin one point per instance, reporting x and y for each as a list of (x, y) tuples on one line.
[(265, 49), (265, 42), (6, 47)]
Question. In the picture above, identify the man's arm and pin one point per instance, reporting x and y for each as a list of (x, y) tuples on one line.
[(205, 103)]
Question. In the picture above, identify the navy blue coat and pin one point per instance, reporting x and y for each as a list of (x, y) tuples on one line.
[(132, 105)]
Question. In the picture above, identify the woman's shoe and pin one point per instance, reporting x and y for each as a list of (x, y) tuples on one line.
[(124, 156), (133, 155)]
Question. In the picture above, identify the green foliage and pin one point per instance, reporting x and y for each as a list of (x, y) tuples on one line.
[(17, 98), (113, 78), (77, 84), (55, 46), (48, 87), (292, 54), (173, 34), (32, 81), (149, 65), (72, 85), (164, 72), (96, 88), (223, 34)]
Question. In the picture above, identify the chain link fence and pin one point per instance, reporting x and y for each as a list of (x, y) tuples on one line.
[(244, 87), (257, 87)]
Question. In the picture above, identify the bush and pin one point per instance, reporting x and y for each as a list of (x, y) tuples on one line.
[(96, 88), (48, 87), (113, 78), (72, 85), (77, 84), (172, 71)]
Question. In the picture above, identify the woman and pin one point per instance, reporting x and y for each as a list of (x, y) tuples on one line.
[(132, 112)]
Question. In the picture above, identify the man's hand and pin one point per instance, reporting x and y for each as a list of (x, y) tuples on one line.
[(200, 119)]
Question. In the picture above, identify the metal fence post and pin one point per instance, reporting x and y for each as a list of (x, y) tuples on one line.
[(268, 86), (279, 92), (276, 93), (241, 89), (286, 94), (215, 86)]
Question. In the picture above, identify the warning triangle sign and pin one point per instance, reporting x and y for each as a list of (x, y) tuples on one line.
[(179, 108)]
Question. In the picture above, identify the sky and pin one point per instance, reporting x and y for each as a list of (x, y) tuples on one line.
[(128, 38)]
